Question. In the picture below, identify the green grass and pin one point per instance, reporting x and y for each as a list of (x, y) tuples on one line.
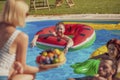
[(1, 5), (80, 7)]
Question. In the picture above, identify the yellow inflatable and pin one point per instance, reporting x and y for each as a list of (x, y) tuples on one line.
[(102, 50)]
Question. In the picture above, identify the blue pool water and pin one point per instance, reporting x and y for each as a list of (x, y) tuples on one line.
[(63, 72)]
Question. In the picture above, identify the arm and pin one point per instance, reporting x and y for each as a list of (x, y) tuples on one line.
[(69, 43), (21, 55), (33, 43), (15, 69)]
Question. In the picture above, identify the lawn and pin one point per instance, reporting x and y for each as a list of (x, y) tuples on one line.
[(80, 7)]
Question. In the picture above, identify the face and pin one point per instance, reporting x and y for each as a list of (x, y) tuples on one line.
[(60, 29), (105, 69), (112, 50)]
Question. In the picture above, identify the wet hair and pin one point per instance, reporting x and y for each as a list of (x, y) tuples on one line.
[(116, 42), (59, 23), (14, 12)]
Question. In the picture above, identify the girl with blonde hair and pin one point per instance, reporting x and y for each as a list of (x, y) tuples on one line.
[(12, 47)]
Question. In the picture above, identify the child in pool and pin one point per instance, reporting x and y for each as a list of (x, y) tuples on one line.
[(59, 33)]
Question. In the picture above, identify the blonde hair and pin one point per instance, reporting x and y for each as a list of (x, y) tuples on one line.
[(14, 12)]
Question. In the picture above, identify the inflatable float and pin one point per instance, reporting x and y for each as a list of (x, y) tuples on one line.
[(82, 35), (99, 26), (102, 50), (89, 67), (98, 51)]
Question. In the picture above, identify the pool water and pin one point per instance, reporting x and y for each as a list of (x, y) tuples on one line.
[(63, 72)]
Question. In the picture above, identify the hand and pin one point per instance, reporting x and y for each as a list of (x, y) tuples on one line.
[(65, 50), (18, 67), (33, 44), (43, 67)]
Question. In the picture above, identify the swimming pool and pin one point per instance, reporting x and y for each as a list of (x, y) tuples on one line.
[(63, 72)]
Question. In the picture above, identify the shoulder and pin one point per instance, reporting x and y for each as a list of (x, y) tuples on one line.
[(22, 37)]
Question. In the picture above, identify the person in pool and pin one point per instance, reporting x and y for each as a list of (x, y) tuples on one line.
[(59, 33), (106, 71), (113, 46)]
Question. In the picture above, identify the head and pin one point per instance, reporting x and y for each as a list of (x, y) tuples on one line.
[(14, 12), (113, 46), (107, 68), (60, 28)]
